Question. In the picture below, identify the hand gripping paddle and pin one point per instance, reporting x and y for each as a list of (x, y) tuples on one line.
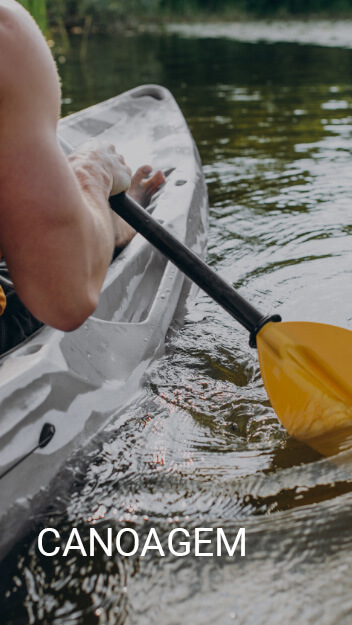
[(306, 367)]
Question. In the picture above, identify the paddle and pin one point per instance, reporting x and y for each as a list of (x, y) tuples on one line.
[(306, 367)]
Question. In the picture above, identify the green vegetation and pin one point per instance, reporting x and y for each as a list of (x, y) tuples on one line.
[(107, 12), (39, 11), (258, 8)]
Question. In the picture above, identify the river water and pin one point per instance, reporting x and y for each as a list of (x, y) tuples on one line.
[(201, 446)]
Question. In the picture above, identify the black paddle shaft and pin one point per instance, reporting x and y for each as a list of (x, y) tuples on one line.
[(191, 265)]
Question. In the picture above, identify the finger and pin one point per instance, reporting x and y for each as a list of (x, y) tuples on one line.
[(122, 181), (111, 148), (121, 159)]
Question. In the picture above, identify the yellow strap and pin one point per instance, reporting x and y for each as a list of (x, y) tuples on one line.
[(2, 296), (2, 300)]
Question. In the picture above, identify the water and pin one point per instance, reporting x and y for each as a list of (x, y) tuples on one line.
[(201, 446)]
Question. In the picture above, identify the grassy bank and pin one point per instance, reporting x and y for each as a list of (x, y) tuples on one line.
[(107, 14)]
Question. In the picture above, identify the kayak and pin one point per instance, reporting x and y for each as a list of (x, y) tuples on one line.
[(57, 389)]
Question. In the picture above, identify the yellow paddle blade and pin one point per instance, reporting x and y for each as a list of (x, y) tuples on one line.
[(307, 372)]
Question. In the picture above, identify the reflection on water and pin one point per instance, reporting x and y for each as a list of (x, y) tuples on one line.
[(202, 446)]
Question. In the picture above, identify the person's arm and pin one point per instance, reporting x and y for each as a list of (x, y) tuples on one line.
[(57, 231)]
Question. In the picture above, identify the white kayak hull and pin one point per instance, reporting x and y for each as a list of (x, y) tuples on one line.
[(78, 381)]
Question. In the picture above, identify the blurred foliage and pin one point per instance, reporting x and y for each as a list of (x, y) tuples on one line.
[(258, 7), (106, 11), (38, 9)]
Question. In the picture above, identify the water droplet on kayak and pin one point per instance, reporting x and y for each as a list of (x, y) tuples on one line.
[(89, 355)]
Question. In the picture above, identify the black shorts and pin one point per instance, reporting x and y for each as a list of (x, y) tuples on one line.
[(16, 323)]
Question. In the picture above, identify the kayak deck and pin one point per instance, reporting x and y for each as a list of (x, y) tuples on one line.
[(77, 381)]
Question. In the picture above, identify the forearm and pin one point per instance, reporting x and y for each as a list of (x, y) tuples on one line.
[(58, 234), (98, 212)]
